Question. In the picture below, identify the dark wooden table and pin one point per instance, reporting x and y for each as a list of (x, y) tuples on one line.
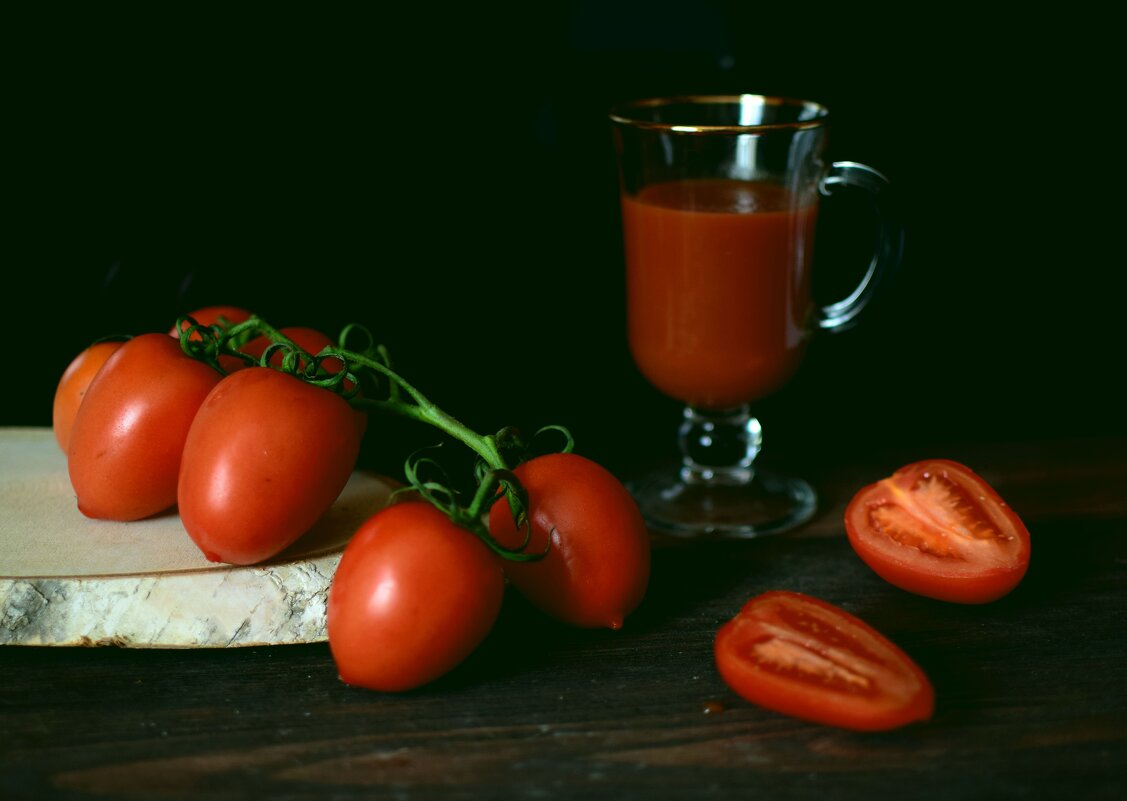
[(1031, 690)]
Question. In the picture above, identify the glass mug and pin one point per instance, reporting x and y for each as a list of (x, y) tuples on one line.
[(720, 198)]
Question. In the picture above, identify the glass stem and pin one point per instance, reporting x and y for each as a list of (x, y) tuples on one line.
[(719, 446)]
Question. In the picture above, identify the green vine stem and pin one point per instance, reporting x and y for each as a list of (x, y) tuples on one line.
[(367, 381)]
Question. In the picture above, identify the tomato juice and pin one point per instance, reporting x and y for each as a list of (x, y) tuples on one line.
[(718, 287)]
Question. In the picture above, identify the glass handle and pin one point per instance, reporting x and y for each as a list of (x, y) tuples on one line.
[(889, 246)]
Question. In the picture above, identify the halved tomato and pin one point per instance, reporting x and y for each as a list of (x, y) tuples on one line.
[(803, 657), (938, 529)]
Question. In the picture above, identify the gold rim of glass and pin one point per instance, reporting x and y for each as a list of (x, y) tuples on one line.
[(811, 114)]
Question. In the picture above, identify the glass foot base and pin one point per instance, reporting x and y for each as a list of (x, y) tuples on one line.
[(769, 504)]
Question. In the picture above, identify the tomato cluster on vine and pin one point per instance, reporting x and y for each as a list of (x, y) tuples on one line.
[(250, 433)]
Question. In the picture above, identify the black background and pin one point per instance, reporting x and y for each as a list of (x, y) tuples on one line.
[(447, 179)]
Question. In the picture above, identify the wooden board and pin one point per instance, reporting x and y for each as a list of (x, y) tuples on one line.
[(69, 580)]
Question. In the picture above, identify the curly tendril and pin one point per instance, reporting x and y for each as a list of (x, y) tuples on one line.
[(201, 342), (497, 484)]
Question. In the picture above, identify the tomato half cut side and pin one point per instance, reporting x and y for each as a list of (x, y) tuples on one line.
[(937, 529), (802, 657)]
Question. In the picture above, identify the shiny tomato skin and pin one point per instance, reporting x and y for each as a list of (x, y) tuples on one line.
[(72, 388), (598, 566), (802, 657), (412, 597), (937, 529), (128, 436), (265, 458)]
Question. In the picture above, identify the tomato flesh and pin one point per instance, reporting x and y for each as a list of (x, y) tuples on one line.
[(805, 658), (935, 528)]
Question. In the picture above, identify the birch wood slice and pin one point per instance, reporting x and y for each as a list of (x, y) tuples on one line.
[(69, 580)]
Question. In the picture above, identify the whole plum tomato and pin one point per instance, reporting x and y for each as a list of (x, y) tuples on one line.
[(597, 568), (412, 597), (73, 385), (266, 456), (128, 435)]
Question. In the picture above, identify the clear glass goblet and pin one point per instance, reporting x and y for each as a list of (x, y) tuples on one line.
[(720, 202)]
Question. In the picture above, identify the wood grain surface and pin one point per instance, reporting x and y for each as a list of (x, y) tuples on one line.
[(1031, 690)]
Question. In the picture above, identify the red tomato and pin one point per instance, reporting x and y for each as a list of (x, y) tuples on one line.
[(802, 657), (128, 436), (412, 597), (937, 529), (598, 565), (72, 387), (266, 456)]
